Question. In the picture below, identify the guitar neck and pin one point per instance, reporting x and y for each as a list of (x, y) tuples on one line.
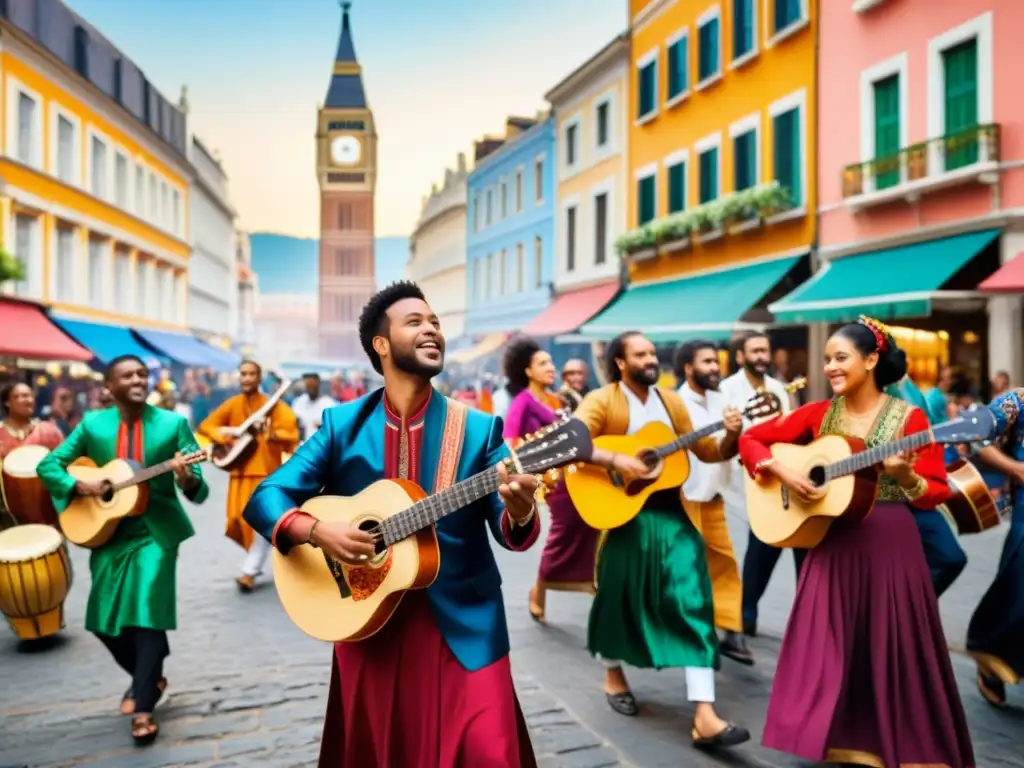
[(685, 441), (428, 511), (144, 475), (266, 407), (877, 455)]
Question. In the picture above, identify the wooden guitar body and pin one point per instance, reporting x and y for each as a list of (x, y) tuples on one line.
[(782, 519), (972, 506), (342, 603), (234, 456), (601, 500), (90, 521)]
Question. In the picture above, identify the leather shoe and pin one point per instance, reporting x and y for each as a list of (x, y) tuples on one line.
[(730, 736), (623, 703), (734, 646), (750, 628)]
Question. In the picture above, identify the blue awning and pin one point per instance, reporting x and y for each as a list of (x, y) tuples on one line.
[(108, 341), (186, 350)]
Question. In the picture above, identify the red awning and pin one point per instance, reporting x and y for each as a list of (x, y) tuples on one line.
[(571, 310), (25, 331), (1009, 278)]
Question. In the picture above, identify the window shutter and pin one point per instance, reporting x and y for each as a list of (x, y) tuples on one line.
[(887, 131)]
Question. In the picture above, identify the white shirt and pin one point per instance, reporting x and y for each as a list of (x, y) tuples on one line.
[(500, 401), (641, 414), (310, 412), (738, 390), (706, 481)]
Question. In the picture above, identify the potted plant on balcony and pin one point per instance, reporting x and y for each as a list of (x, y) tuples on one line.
[(11, 268), (638, 243), (672, 234), (771, 199), (917, 161)]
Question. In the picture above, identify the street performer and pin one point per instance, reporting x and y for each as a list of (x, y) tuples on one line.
[(433, 688), (653, 607), (277, 434), (18, 428), (132, 601)]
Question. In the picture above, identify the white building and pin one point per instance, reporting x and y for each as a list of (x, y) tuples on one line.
[(287, 329), (437, 250), (243, 323), (212, 276)]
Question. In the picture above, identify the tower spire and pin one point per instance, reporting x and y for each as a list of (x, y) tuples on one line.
[(346, 88)]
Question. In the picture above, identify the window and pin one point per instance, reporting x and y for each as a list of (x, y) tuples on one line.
[(24, 248), (647, 86), (140, 191), (122, 281), (602, 124), (121, 180), (744, 154), (99, 167), (601, 228), (157, 283), (708, 48), (572, 136), (476, 211), (502, 271), (787, 12), (97, 251), (677, 187), (538, 180), (28, 116), (154, 202), (887, 131), (960, 96), (480, 280), (538, 263), (520, 267), (786, 152), (176, 211), (503, 192), (65, 150), (679, 67), (176, 307), (519, 191), (64, 272), (708, 175), (489, 210), (646, 200), (165, 207), (742, 27), (570, 238)]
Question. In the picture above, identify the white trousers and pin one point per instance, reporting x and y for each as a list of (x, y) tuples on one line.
[(256, 558), (700, 681)]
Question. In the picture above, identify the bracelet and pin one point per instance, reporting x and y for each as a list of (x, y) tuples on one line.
[(917, 490), (309, 538), (526, 520)]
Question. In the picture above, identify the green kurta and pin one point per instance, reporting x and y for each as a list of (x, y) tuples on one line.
[(133, 575)]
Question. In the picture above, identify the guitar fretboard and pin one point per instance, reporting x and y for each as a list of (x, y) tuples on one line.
[(143, 475), (876, 455), (428, 511), (688, 439)]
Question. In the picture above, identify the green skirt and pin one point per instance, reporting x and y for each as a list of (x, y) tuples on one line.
[(653, 606), (133, 582)]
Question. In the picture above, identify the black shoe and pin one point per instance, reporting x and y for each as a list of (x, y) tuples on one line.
[(734, 646), (991, 688), (623, 703), (750, 628), (730, 736)]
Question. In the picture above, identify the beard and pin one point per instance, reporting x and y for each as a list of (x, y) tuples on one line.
[(707, 380), (407, 362), (756, 368), (645, 377)]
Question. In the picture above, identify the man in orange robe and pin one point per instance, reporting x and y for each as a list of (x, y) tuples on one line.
[(277, 434)]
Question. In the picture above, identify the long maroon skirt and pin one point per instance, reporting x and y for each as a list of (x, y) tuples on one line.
[(570, 549), (864, 674), (401, 698)]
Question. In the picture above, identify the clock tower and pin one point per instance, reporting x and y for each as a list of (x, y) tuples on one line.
[(346, 169)]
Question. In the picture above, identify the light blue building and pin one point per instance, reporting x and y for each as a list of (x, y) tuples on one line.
[(510, 229)]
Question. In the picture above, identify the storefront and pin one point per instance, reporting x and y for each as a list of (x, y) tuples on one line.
[(31, 343)]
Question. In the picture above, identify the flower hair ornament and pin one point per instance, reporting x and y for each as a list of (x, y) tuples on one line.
[(878, 329)]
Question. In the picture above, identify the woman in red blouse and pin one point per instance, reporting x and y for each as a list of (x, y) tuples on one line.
[(864, 676)]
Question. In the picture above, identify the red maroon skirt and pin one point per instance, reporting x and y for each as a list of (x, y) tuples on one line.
[(864, 675), (570, 548), (401, 698)]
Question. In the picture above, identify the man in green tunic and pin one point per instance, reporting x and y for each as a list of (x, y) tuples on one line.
[(132, 601)]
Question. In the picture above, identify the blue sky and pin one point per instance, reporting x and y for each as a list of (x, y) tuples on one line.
[(438, 74)]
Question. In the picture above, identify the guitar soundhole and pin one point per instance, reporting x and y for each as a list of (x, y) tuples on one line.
[(370, 526), (817, 475), (108, 492)]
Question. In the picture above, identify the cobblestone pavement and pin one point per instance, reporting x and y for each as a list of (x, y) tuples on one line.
[(248, 689)]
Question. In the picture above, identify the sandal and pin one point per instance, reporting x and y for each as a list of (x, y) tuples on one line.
[(128, 700), (144, 730)]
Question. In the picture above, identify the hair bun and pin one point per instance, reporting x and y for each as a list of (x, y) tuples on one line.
[(892, 364)]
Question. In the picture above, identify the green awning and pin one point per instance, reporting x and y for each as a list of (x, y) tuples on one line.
[(891, 283), (707, 306)]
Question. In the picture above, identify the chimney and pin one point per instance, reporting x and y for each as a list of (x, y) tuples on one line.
[(462, 162)]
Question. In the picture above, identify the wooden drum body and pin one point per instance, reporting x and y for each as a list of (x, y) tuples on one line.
[(24, 493), (35, 576)]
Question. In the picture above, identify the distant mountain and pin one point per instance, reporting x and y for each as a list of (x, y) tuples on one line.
[(288, 264)]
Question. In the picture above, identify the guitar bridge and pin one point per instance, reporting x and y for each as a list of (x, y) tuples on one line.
[(338, 572), (785, 497)]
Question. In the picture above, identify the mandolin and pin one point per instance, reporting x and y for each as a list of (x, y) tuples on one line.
[(846, 472), (336, 602), (229, 457), (604, 501), (90, 521)]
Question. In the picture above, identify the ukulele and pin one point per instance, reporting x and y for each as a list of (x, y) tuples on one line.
[(229, 457), (847, 473), (604, 501), (90, 521), (337, 602)]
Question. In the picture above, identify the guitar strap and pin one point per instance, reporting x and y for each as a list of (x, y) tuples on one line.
[(451, 444)]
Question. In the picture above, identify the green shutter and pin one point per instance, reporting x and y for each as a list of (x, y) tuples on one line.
[(678, 63), (647, 88), (677, 188), (742, 27), (960, 67), (786, 153), (708, 53), (887, 132), (744, 161), (645, 200), (786, 12), (709, 176)]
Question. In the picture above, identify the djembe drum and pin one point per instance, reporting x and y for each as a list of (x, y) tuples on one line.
[(24, 493), (35, 576)]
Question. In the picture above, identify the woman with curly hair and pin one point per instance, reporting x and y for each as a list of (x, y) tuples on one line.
[(18, 428), (567, 563)]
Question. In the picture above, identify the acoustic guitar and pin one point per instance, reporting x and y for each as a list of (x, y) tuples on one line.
[(972, 507), (846, 472), (336, 602), (605, 501), (90, 521), (229, 457)]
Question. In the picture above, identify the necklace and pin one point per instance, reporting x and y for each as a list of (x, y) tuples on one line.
[(19, 434)]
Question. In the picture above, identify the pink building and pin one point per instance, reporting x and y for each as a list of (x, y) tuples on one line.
[(920, 174)]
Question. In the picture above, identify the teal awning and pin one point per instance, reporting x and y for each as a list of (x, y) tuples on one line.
[(891, 283), (707, 306)]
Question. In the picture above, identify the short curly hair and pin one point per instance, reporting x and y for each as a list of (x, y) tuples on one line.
[(374, 319), (515, 362)]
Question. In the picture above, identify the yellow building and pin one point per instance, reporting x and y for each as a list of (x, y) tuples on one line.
[(95, 189)]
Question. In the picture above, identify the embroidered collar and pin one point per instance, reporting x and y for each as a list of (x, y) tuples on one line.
[(415, 420)]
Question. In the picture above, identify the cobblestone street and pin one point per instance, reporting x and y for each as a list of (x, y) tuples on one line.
[(248, 689)]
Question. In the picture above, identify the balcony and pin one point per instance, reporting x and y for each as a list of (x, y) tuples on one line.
[(956, 159)]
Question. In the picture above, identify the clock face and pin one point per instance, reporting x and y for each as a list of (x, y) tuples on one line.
[(345, 150)]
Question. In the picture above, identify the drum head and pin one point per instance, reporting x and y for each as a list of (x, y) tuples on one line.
[(23, 543), (22, 461)]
